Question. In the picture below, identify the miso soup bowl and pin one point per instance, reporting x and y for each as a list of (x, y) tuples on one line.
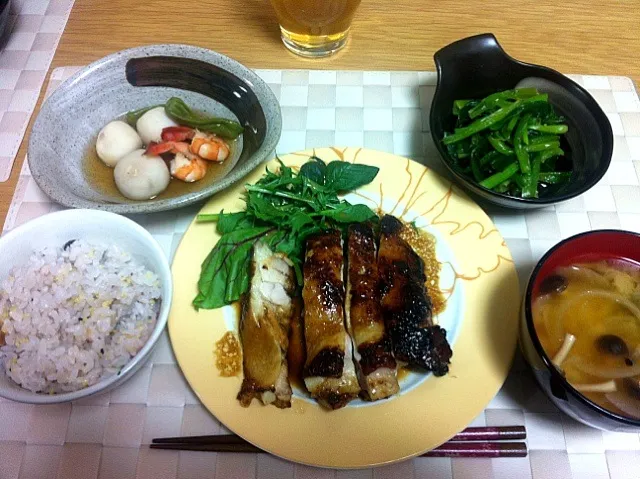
[(586, 247)]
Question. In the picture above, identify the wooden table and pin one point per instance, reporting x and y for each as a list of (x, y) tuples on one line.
[(580, 36)]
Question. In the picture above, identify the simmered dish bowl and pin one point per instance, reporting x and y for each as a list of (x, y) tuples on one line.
[(580, 329), (74, 166), (79, 312)]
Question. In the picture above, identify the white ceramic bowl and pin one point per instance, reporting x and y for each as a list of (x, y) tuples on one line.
[(55, 229)]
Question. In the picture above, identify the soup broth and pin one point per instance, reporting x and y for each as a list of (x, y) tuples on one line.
[(100, 176), (587, 317)]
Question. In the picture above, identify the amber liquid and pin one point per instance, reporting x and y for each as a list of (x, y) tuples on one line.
[(100, 176), (315, 27), (589, 317)]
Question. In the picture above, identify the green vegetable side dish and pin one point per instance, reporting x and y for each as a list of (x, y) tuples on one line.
[(179, 111), (508, 142), (283, 209)]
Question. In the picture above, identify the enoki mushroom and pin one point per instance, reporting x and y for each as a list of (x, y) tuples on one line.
[(561, 355)]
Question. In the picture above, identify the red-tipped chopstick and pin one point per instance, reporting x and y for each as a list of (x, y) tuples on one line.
[(496, 433), (472, 442), (479, 449)]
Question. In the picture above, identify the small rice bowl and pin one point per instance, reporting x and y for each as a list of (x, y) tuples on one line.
[(74, 315)]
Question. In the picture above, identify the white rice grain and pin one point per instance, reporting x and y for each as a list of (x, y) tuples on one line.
[(72, 316)]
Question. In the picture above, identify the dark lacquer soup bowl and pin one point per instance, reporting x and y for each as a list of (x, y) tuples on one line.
[(596, 247)]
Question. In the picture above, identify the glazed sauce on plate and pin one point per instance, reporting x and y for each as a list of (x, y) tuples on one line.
[(297, 354), (424, 244), (403, 372), (228, 355)]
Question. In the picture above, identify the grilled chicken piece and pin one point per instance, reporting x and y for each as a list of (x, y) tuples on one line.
[(375, 364), (264, 329), (329, 372), (406, 306)]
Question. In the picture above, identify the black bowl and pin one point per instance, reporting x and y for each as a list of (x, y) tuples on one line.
[(478, 66), (591, 246), (4, 19)]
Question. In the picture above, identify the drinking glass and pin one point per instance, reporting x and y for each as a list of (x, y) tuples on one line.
[(315, 28)]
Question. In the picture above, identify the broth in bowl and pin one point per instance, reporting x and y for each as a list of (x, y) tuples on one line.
[(587, 317)]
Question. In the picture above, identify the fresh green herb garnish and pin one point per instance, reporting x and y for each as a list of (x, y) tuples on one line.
[(508, 142), (283, 209), (179, 111)]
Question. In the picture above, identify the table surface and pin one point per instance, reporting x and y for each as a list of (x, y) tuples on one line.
[(574, 37)]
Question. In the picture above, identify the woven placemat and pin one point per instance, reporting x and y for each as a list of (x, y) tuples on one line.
[(26, 51), (106, 436)]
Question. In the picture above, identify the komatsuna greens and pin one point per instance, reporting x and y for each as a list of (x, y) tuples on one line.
[(283, 209), (508, 142)]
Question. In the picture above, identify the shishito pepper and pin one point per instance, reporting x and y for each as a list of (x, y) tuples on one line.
[(180, 112)]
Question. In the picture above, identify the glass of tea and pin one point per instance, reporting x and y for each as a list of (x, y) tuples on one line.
[(315, 28)]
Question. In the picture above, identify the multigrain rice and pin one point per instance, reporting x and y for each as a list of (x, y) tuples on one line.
[(74, 315)]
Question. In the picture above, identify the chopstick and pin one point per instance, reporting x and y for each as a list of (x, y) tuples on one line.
[(495, 433), (472, 442), (501, 433), (479, 449)]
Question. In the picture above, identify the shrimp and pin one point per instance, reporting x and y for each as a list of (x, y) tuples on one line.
[(189, 163), (185, 165), (178, 133), (206, 146), (174, 147), (209, 147), (186, 169)]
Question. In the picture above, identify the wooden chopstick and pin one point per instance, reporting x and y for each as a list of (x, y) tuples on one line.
[(499, 433), (223, 439), (472, 442), (211, 447), (449, 449), (495, 433), (479, 449)]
